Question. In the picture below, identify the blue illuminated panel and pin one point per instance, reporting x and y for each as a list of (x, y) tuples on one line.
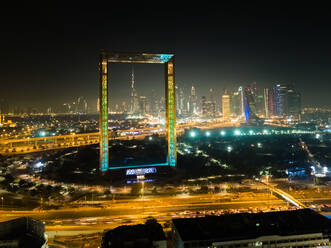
[(247, 110)]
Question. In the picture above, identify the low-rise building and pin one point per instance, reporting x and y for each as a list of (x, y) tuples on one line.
[(23, 232), (299, 228)]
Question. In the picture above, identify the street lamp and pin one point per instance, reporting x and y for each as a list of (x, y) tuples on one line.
[(237, 132)]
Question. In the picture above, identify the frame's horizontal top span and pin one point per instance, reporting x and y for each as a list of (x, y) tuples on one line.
[(121, 57)]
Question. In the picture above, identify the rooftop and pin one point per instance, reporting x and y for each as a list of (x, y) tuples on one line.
[(141, 235), (251, 226)]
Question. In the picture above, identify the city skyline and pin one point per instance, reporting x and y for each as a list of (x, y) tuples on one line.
[(289, 46)]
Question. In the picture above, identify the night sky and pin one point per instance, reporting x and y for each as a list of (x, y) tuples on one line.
[(49, 53)]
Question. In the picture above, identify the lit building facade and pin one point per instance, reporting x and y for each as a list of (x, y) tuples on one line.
[(236, 104), (226, 106)]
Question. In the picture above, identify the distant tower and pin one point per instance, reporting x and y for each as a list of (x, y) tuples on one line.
[(193, 101), (242, 107), (98, 105), (266, 102), (142, 105), (181, 101), (212, 105), (133, 94), (293, 102), (124, 108), (280, 99)]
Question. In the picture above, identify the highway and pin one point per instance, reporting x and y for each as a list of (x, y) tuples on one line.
[(86, 217), (37, 144), (284, 195), (110, 214)]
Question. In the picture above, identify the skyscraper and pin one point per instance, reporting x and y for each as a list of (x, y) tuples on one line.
[(142, 105), (293, 102), (235, 103), (154, 103), (124, 107), (193, 101), (81, 106), (287, 100), (226, 106), (181, 101), (266, 102), (212, 100), (280, 99), (4, 107), (241, 92), (134, 100), (204, 105)]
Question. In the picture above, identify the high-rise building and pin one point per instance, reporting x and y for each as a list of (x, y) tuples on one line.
[(235, 103), (193, 101), (212, 100), (4, 107), (134, 99), (117, 108), (142, 105), (242, 107), (124, 107), (287, 100), (226, 106), (280, 99), (266, 102), (81, 106), (293, 102), (181, 101), (204, 105), (249, 97), (208, 107), (154, 103)]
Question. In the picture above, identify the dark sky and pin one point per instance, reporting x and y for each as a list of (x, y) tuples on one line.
[(49, 53)]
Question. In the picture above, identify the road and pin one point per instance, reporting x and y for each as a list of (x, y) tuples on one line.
[(163, 208), (29, 145), (284, 195), (85, 218)]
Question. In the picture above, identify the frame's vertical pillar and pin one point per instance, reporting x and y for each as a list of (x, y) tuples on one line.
[(103, 108), (171, 111)]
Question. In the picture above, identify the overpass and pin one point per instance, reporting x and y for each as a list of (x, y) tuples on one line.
[(30, 144), (287, 197)]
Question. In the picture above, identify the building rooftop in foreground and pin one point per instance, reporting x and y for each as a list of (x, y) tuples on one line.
[(245, 226), (145, 235), (22, 232)]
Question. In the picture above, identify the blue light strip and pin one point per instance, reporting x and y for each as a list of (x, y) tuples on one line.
[(137, 166)]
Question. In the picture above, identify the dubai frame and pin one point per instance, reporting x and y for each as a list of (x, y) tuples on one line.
[(120, 57)]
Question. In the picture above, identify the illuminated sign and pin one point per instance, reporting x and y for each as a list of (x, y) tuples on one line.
[(141, 171)]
